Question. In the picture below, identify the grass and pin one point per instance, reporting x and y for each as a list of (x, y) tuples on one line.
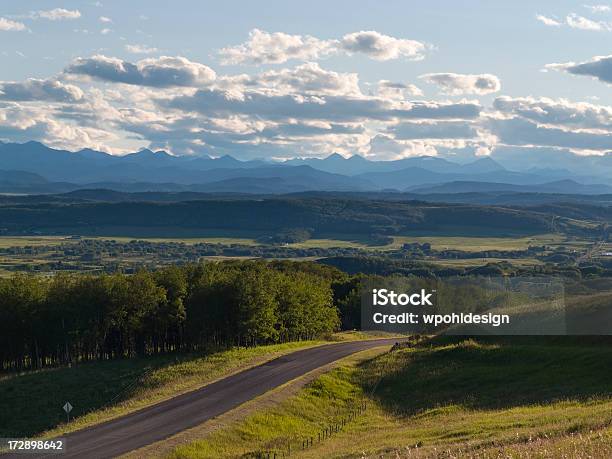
[(302, 416), (487, 397), (31, 403)]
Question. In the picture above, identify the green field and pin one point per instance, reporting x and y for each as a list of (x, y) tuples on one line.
[(468, 244), (24, 241), (473, 262), (438, 242), (549, 397), (187, 240), (476, 244)]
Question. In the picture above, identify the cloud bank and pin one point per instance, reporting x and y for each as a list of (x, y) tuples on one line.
[(277, 48)]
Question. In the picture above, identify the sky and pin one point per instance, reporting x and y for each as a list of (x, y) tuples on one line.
[(276, 80)]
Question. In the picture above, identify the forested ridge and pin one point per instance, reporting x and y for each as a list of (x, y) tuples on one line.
[(72, 318), (320, 215)]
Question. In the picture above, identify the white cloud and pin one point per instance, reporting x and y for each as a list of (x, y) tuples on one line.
[(387, 148), (579, 22), (548, 21), (140, 49), (599, 8), (24, 123), (56, 14), (34, 89), (434, 130), (599, 67), (457, 83), (395, 90), (557, 112), (522, 132), (163, 71), (580, 127), (7, 25), (276, 48), (382, 47), (341, 109), (575, 21), (308, 78)]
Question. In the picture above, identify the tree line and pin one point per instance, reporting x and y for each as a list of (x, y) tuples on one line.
[(70, 318)]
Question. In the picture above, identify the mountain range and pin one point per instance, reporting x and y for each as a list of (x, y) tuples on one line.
[(35, 168)]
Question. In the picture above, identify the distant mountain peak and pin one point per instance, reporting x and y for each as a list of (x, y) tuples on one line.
[(484, 165), (335, 157)]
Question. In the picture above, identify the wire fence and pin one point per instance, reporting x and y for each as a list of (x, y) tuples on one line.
[(304, 443), (124, 391), (308, 442)]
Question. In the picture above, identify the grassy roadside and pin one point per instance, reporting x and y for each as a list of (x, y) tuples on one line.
[(262, 403), (484, 398), (30, 404)]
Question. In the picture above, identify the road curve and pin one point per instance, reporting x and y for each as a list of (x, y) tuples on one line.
[(157, 422)]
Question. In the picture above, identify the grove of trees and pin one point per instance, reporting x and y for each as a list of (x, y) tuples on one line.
[(69, 318)]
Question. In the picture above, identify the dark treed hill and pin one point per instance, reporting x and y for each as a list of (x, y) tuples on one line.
[(318, 215), (559, 186), (500, 198), (137, 194), (571, 210)]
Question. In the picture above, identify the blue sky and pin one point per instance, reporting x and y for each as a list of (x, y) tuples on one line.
[(392, 79)]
